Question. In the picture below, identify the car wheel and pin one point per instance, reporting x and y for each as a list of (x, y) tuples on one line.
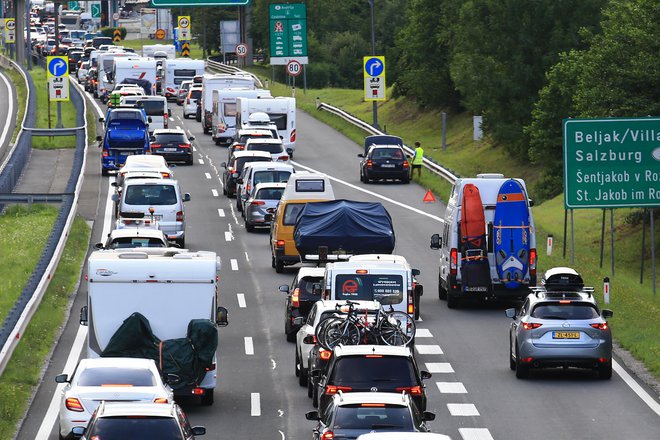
[(522, 371), (512, 361), (279, 266), (442, 292), (296, 365), (239, 205), (605, 371), (310, 386), (207, 399), (406, 180), (452, 301), (417, 301), (249, 227), (361, 176), (302, 379), (181, 242), (272, 261), (104, 172)]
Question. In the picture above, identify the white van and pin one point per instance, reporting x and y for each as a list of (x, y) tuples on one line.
[(211, 82), (149, 50), (176, 71), (450, 283), (157, 111), (255, 173), (105, 79), (151, 281), (281, 111), (223, 112), (144, 163), (163, 196)]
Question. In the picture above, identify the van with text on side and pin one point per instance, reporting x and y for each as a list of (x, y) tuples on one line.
[(302, 187), (223, 112), (281, 111), (219, 81), (177, 71)]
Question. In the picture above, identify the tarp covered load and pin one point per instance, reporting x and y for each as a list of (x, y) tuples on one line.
[(345, 227), (186, 357)]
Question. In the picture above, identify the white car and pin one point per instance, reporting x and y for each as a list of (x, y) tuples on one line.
[(81, 73), (273, 146), (190, 104), (136, 237), (108, 379)]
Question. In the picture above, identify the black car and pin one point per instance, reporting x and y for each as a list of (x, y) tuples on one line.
[(234, 168), (74, 57), (318, 360), (384, 162), (300, 298), (355, 368), (173, 145)]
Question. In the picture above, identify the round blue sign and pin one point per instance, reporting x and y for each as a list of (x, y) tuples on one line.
[(57, 67), (374, 67)]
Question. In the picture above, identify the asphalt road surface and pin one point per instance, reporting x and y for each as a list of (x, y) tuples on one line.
[(7, 114), (473, 393)]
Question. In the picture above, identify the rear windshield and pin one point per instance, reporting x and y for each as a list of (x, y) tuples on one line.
[(243, 139), (564, 311), (373, 370), (135, 428), (385, 418), (387, 153), (384, 288), (195, 94), (153, 107), (279, 120), (170, 138), (271, 176), (291, 213), (125, 115), (269, 194), (241, 161), (306, 286), (185, 72), (150, 195), (133, 242), (269, 148), (96, 377)]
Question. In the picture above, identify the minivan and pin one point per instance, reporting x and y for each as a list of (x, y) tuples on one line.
[(157, 111), (260, 172)]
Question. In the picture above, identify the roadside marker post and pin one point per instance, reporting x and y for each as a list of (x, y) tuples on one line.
[(549, 247), (606, 289)]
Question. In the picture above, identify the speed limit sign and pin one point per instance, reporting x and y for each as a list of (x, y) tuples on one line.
[(241, 50), (294, 68)]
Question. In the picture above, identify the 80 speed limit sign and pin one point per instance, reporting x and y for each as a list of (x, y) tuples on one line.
[(241, 50), (294, 68)]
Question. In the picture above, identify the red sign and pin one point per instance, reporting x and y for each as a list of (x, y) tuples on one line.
[(429, 197), (349, 286)]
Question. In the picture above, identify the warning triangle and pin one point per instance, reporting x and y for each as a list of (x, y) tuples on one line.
[(429, 197)]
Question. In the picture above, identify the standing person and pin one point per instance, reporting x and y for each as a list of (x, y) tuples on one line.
[(417, 160)]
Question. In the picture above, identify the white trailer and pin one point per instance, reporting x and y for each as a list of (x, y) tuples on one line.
[(149, 50), (218, 82), (104, 77), (223, 109), (168, 286), (177, 71), (282, 112), (140, 71)]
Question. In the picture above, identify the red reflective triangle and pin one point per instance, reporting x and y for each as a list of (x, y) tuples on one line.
[(429, 197)]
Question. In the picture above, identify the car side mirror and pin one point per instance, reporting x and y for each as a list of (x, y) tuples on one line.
[(78, 431), (607, 313), (83, 315), (172, 379), (436, 241), (101, 119), (115, 198), (115, 184), (316, 288), (223, 164), (191, 138), (99, 138), (268, 217), (62, 378), (425, 375), (284, 288), (149, 120), (221, 318), (360, 155), (531, 203), (198, 430), (428, 416), (186, 197), (312, 415), (416, 272), (98, 246), (510, 313)]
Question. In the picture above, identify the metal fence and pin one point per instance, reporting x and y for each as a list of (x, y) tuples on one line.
[(226, 68)]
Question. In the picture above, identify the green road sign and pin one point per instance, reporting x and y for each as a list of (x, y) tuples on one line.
[(611, 163), (288, 33), (288, 12), (95, 9), (74, 6), (182, 3)]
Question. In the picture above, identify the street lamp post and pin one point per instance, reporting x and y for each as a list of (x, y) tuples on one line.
[(373, 52)]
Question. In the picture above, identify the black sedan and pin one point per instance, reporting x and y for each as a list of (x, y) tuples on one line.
[(300, 298), (384, 162), (173, 145)]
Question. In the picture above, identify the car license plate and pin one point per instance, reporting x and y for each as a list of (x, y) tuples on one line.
[(169, 149), (387, 165), (565, 335)]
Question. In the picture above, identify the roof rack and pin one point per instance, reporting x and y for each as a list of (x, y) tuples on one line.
[(562, 293)]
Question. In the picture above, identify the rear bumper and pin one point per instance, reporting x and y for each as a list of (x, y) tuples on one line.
[(582, 357), (286, 259), (171, 157), (401, 175)]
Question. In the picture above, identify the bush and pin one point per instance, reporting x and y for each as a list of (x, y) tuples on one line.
[(110, 32)]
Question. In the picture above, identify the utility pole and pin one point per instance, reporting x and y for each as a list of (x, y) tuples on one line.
[(373, 52)]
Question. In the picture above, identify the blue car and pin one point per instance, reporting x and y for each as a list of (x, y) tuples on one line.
[(123, 138)]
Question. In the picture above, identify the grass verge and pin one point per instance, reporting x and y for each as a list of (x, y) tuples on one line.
[(21, 94), (25, 368), (195, 49), (46, 119)]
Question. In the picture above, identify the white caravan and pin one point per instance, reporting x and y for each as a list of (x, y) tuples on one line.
[(140, 71), (177, 71), (282, 112), (149, 50), (223, 109), (219, 82), (105, 79)]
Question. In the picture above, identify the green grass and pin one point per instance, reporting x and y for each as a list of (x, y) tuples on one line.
[(68, 115), (195, 49), (21, 94), (25, 368), (635, 323)]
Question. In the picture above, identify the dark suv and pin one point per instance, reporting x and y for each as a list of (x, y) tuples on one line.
[(384, 162), (372, 368), (300, 298)]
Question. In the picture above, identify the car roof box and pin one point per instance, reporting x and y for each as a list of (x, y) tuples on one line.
[(562, 279), (381, 140)]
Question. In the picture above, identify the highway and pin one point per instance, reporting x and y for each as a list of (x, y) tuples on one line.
[(7, 114), (473, 393)]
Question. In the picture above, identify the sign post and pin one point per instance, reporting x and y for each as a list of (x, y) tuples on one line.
[(57, 76), (374, 78), (288, 33)]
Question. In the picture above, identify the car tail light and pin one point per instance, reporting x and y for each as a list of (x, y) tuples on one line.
[(293, 135), (188, 101), (325, 354), (283, 158), (184, 145), (406, 164), (295, 297), (328, 435), (73, 404), (370, 163), (361, 271), (531, 325), (179, 216), (532, 262), (247, 188), (372, 405), (212, 367), (411, 309), (160, 400), (332, 389), (165, 115), (600, 326), (165, 175), (198, 391), (279, 243), (156, 145), (453, 261), (413, 391), (257, 202), (239, 147), (105, 153), (309, 339), (604, 360), (526, 360)]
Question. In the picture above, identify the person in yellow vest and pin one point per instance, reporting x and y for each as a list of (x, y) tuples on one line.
[(417, 160)]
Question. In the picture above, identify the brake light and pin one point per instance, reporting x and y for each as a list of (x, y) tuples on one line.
[(406, 164), (184, 145), (600, 326), (105, 153), (284, 158), (165, 175), (413, 391), (179, 216), (212, 367), (332, 389), (160, 400), (328, 435), (156, 145), (531, 325), (361, 271), (565, 301), (279, 243), (532, 262), (293, 135), (239, 147), (526, 360), (295, 297), (370, 163), (247, 188), (411, 309), (73, 404), (257, 202), (198, 391), (373, 356), (165, 115), (188, 101), (325, 354), (453, 261), (373, 405), (230, 169)]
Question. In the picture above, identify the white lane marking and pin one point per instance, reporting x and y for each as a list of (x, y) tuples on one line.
[(208, 175), (423, 333), (274, 363), (234, 264), (451, 387), (54, 408), (255, 404), (646, 398), (249, 346), (280, 413), (194, 149), (282, 434), (420, 319), (439, 367), (247, 257), (233, 213), (214, 192), (428, 349), (221, 212), (462, 409), (201, 161), (229, 236), (107, 214), (178, 127), (10, 111), (241, 300), (171, 119), (475, 434), (387, 199)]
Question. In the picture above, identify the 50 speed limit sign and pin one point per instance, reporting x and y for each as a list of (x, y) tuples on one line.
[(294, 68), (241, 50)]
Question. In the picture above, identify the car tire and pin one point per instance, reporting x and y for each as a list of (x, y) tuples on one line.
[(104, 172), (605, 371), (361, 176), (442, 292), (512, 361), (249, 227), (279, 266), (302, 378), (296, 365), (310, 387), (522, 371), (315, 397), (239, 205), (453, 301), (207, 398), (181, 242), (272, 261), (224, 190)]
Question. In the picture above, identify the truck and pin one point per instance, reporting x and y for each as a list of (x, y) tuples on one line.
[(282, 112), (177, 71), (141, 71), (220, 81), (155, 303), (149, 50), (223, 112), (122, 138)]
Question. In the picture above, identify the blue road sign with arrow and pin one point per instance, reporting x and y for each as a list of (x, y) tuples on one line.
[(374, 67), (57, 67)]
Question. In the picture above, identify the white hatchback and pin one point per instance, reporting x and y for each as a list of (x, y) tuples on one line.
[(108, 379), (273, 146)]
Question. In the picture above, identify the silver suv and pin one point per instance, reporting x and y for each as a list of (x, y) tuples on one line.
[(560, 325)]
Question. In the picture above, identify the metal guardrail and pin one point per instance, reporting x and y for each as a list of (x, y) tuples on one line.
[(54, 131), (225, 68), (33, 198), (429, 163)]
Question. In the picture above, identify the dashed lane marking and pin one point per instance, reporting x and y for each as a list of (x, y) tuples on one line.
[(201, 161), (475, 434), (255, 404), (423, 333), (234, 264), (221, 212), (214, 192), (208, 175), (249, 346), (241, 300), (462, 409), (451, 387), (439, 367), (428, 349), (229, 237)]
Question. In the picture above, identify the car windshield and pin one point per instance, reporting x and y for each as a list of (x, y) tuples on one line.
[(291, 213), (241, 161), (135, 428), (369, 287), (170, 138), (566, 311), (374, 370), (195, 94), (269, 194), (271, 176), (267, 147), (132, 242), (150, 195), (387, 153), (131, 377), (388, 417)]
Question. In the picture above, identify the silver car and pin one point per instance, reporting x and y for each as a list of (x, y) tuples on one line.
[(263, 201), (560, 325)]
